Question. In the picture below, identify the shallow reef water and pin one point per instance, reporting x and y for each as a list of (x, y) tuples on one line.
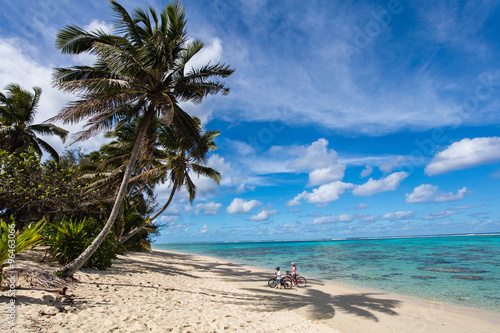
[(459, 270)]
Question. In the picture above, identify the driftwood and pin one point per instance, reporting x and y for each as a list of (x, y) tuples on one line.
[(38, 279), (59, 291)]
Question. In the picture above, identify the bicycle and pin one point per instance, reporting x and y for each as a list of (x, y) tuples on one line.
[(299, 281), (287, 284)]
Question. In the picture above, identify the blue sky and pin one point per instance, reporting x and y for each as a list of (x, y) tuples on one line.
[(345, 118)]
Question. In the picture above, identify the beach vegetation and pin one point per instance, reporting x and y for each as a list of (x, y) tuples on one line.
[(68, 239), (18, 133), (140, 74), (31, 190), (13, 242)]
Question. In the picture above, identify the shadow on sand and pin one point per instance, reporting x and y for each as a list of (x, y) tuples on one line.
[(316, 304), (310, 301)]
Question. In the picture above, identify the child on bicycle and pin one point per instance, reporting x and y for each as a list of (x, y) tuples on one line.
[(278, 277), (294, 271)]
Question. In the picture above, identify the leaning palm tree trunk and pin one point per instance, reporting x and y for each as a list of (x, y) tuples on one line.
[(75, 265), (141, 72), (148, 223)]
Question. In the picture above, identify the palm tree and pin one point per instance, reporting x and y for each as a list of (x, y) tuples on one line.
[(183, 157), (141, 72), (108, 164), (17, 113)]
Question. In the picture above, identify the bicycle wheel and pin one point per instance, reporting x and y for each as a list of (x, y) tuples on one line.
[(287, 282), (301, 282), (272, 282)]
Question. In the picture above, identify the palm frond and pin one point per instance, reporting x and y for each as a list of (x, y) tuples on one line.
[(75, 40), (125, 24), (45, 146), (50, 129)]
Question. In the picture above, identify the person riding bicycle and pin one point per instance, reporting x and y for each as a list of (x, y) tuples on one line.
[(294, 271), (278, 277)]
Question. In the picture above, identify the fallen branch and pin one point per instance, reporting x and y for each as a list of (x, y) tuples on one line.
[(59, 291)]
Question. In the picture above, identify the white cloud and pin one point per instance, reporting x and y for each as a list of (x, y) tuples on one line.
[(172, 226), (466, 153), (361, 206), (203, 230), (219, 163), (86, 58), (315, 156), (241, 206), (263, 215), (439, 215), (389, 183), (392, 164), (208, 208), (326, 175), (248, 164), (422, 193), (398, 215), (209, 53), (367, 171), (427, 192), (447, 197), (323, 194), (18, 67), (335, 219)]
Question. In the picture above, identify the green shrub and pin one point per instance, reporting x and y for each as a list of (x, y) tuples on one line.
[(14, 242), (67, 240)]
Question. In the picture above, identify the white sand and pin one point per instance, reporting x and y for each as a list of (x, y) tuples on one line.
[(175, 292)]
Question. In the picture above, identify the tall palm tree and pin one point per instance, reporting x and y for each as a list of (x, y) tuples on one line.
[(109, 163), (183, 158), (141, 72), (17, 113)]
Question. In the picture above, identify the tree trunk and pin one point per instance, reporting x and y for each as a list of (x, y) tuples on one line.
[(139, 228), (75, 265)]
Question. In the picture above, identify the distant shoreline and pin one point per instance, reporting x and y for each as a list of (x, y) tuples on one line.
[(335, 239)]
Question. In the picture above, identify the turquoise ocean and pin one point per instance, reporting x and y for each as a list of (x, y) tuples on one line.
[(456, 270)]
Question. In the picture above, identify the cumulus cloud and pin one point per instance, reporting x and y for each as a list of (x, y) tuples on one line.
[(326, 175), (321, 195), (208, 208), (367, 171), (209, 53), (323, 162), (422, 193), (315, 156), (203, 230), (172, 226), (398, 215), (361, 206), (242, 206), (263, 215), (219, 163), (372, 186), (463, 154), (248, 165), (335, 219), (447, 197), (427, 192)]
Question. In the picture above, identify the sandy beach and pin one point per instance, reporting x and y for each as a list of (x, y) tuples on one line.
[(176, 292)]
